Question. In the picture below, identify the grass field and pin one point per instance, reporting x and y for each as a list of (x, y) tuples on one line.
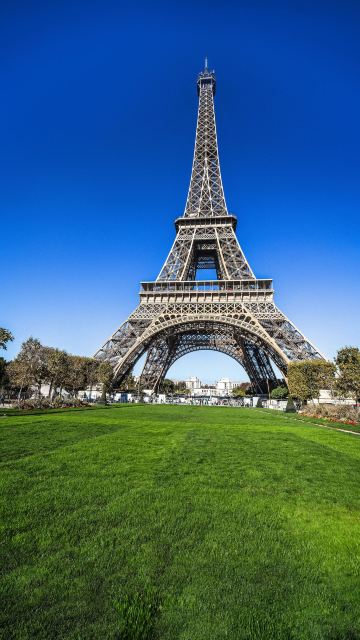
[(143, 522)]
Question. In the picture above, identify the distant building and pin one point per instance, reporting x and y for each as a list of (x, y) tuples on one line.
[(193, 383), (226, 386), (210, 391), (222, 388)]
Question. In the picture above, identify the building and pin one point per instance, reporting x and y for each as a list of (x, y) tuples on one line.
[(193, 383), (226, 386), (222, 388)]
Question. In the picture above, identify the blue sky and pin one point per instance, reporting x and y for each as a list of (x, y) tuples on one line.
[(97, 124)]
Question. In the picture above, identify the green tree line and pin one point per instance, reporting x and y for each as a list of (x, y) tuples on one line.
[(36, 365), (341, 377)]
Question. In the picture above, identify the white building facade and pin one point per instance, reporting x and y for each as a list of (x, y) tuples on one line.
[(222, 388), (193, 383)]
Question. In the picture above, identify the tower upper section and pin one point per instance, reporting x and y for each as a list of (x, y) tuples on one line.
[(206, 193), (206, 77)]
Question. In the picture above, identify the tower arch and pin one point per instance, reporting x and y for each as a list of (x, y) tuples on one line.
[(170, 337)]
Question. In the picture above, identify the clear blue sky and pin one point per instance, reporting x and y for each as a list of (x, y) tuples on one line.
[(97, 117)]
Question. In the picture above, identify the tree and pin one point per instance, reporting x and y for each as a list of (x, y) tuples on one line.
[(76, 375), (348, 363), (279, 393), (91, 373), (57, 369), (20, 375), (167, 386), (238, 392), (5, 337), (180, 388), (298, 382), (4, 378), (246, 387), (105, 376), (29, 367), (307, 377), (128, 384)]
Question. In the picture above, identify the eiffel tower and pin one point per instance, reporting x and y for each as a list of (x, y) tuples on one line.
[(234, 314)]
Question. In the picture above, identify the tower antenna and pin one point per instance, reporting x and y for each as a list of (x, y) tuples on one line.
[(206, 63)]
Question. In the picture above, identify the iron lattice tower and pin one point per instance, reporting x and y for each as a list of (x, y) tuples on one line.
[(234, 314)]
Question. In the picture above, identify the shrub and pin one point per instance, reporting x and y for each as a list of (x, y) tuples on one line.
[(307, 377), (348, 382), (279, 393), (336, 412), (47, 403), (238, 392)]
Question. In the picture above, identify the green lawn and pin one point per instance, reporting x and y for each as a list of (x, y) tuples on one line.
[(189, 523)]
